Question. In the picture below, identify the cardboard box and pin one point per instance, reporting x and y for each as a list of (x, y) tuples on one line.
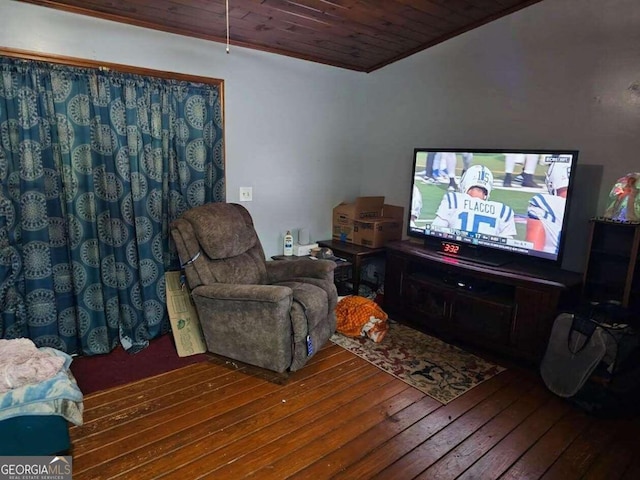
[(346, 213), (375, 232), (368, 222), (343, 233), (185, 324)]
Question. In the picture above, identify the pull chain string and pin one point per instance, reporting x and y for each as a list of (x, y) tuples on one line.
[(227, 12)]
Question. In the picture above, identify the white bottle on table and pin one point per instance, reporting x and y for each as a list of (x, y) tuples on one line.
[(288, 244)]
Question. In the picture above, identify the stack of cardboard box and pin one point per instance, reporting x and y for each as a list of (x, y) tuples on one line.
[(368, 222)]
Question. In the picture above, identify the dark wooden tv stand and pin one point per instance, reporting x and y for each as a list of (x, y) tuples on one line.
[(507, 309)]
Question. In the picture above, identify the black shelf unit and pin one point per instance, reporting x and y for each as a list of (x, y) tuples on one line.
[(612, 273)]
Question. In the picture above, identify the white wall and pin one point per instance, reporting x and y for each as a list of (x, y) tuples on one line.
[(558, 74), (289, 123)]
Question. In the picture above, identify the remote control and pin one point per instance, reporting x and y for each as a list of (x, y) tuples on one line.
[(309, 346)]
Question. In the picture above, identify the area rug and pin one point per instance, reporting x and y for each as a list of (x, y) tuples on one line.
[(434, 367), (99, 372)]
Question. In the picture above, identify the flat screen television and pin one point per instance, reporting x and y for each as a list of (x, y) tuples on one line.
[(492, 205)]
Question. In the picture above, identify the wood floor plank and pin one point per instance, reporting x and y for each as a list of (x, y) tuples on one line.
[(239, 456), (388, 453), (341, 417), (207, 415), (338, 459), (103, 398), (158, 401), (456, 461), (549, 447), (186, 388), (132, 438), (370, 415), (278, 449), (220, 420), (632, 471), (426, 453), (577, 458), (124, 428), (500, 458), (612, 463)]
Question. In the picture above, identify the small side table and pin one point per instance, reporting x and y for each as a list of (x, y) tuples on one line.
[(354, 254)]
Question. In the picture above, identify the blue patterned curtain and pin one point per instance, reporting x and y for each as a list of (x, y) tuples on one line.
[(94, 166)]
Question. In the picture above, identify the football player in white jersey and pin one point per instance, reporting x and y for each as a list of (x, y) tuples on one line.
[(545, 212), (416, 206), (471, 210)]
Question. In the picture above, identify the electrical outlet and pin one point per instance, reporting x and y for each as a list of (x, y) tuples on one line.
[(246, 194)]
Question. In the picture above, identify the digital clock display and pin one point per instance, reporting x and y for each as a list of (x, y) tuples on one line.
[(450, 248)]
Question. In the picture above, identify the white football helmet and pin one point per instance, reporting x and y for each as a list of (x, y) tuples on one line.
[(477, 176), (557, 177)]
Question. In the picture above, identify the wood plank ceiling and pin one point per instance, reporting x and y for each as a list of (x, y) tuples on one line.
[(360, 35)]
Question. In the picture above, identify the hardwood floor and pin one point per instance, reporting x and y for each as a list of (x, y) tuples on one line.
[(341, 417)]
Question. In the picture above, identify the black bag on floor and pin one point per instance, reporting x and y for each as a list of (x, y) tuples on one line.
[(593, 360), (614, 395)]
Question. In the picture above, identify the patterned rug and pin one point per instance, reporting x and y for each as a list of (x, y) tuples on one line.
[(434, 367)]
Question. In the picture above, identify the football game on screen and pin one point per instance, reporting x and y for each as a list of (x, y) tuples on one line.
[(510, 201)]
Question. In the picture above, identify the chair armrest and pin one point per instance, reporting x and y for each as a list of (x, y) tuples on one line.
[(282, 270), (239, 292)]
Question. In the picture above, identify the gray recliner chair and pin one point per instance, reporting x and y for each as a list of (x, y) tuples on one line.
[(275, 314)]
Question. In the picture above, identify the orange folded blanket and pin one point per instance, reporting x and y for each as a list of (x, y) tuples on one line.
[(358, 317)]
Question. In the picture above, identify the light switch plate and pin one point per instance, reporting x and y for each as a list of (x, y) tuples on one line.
[(246, 194)]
